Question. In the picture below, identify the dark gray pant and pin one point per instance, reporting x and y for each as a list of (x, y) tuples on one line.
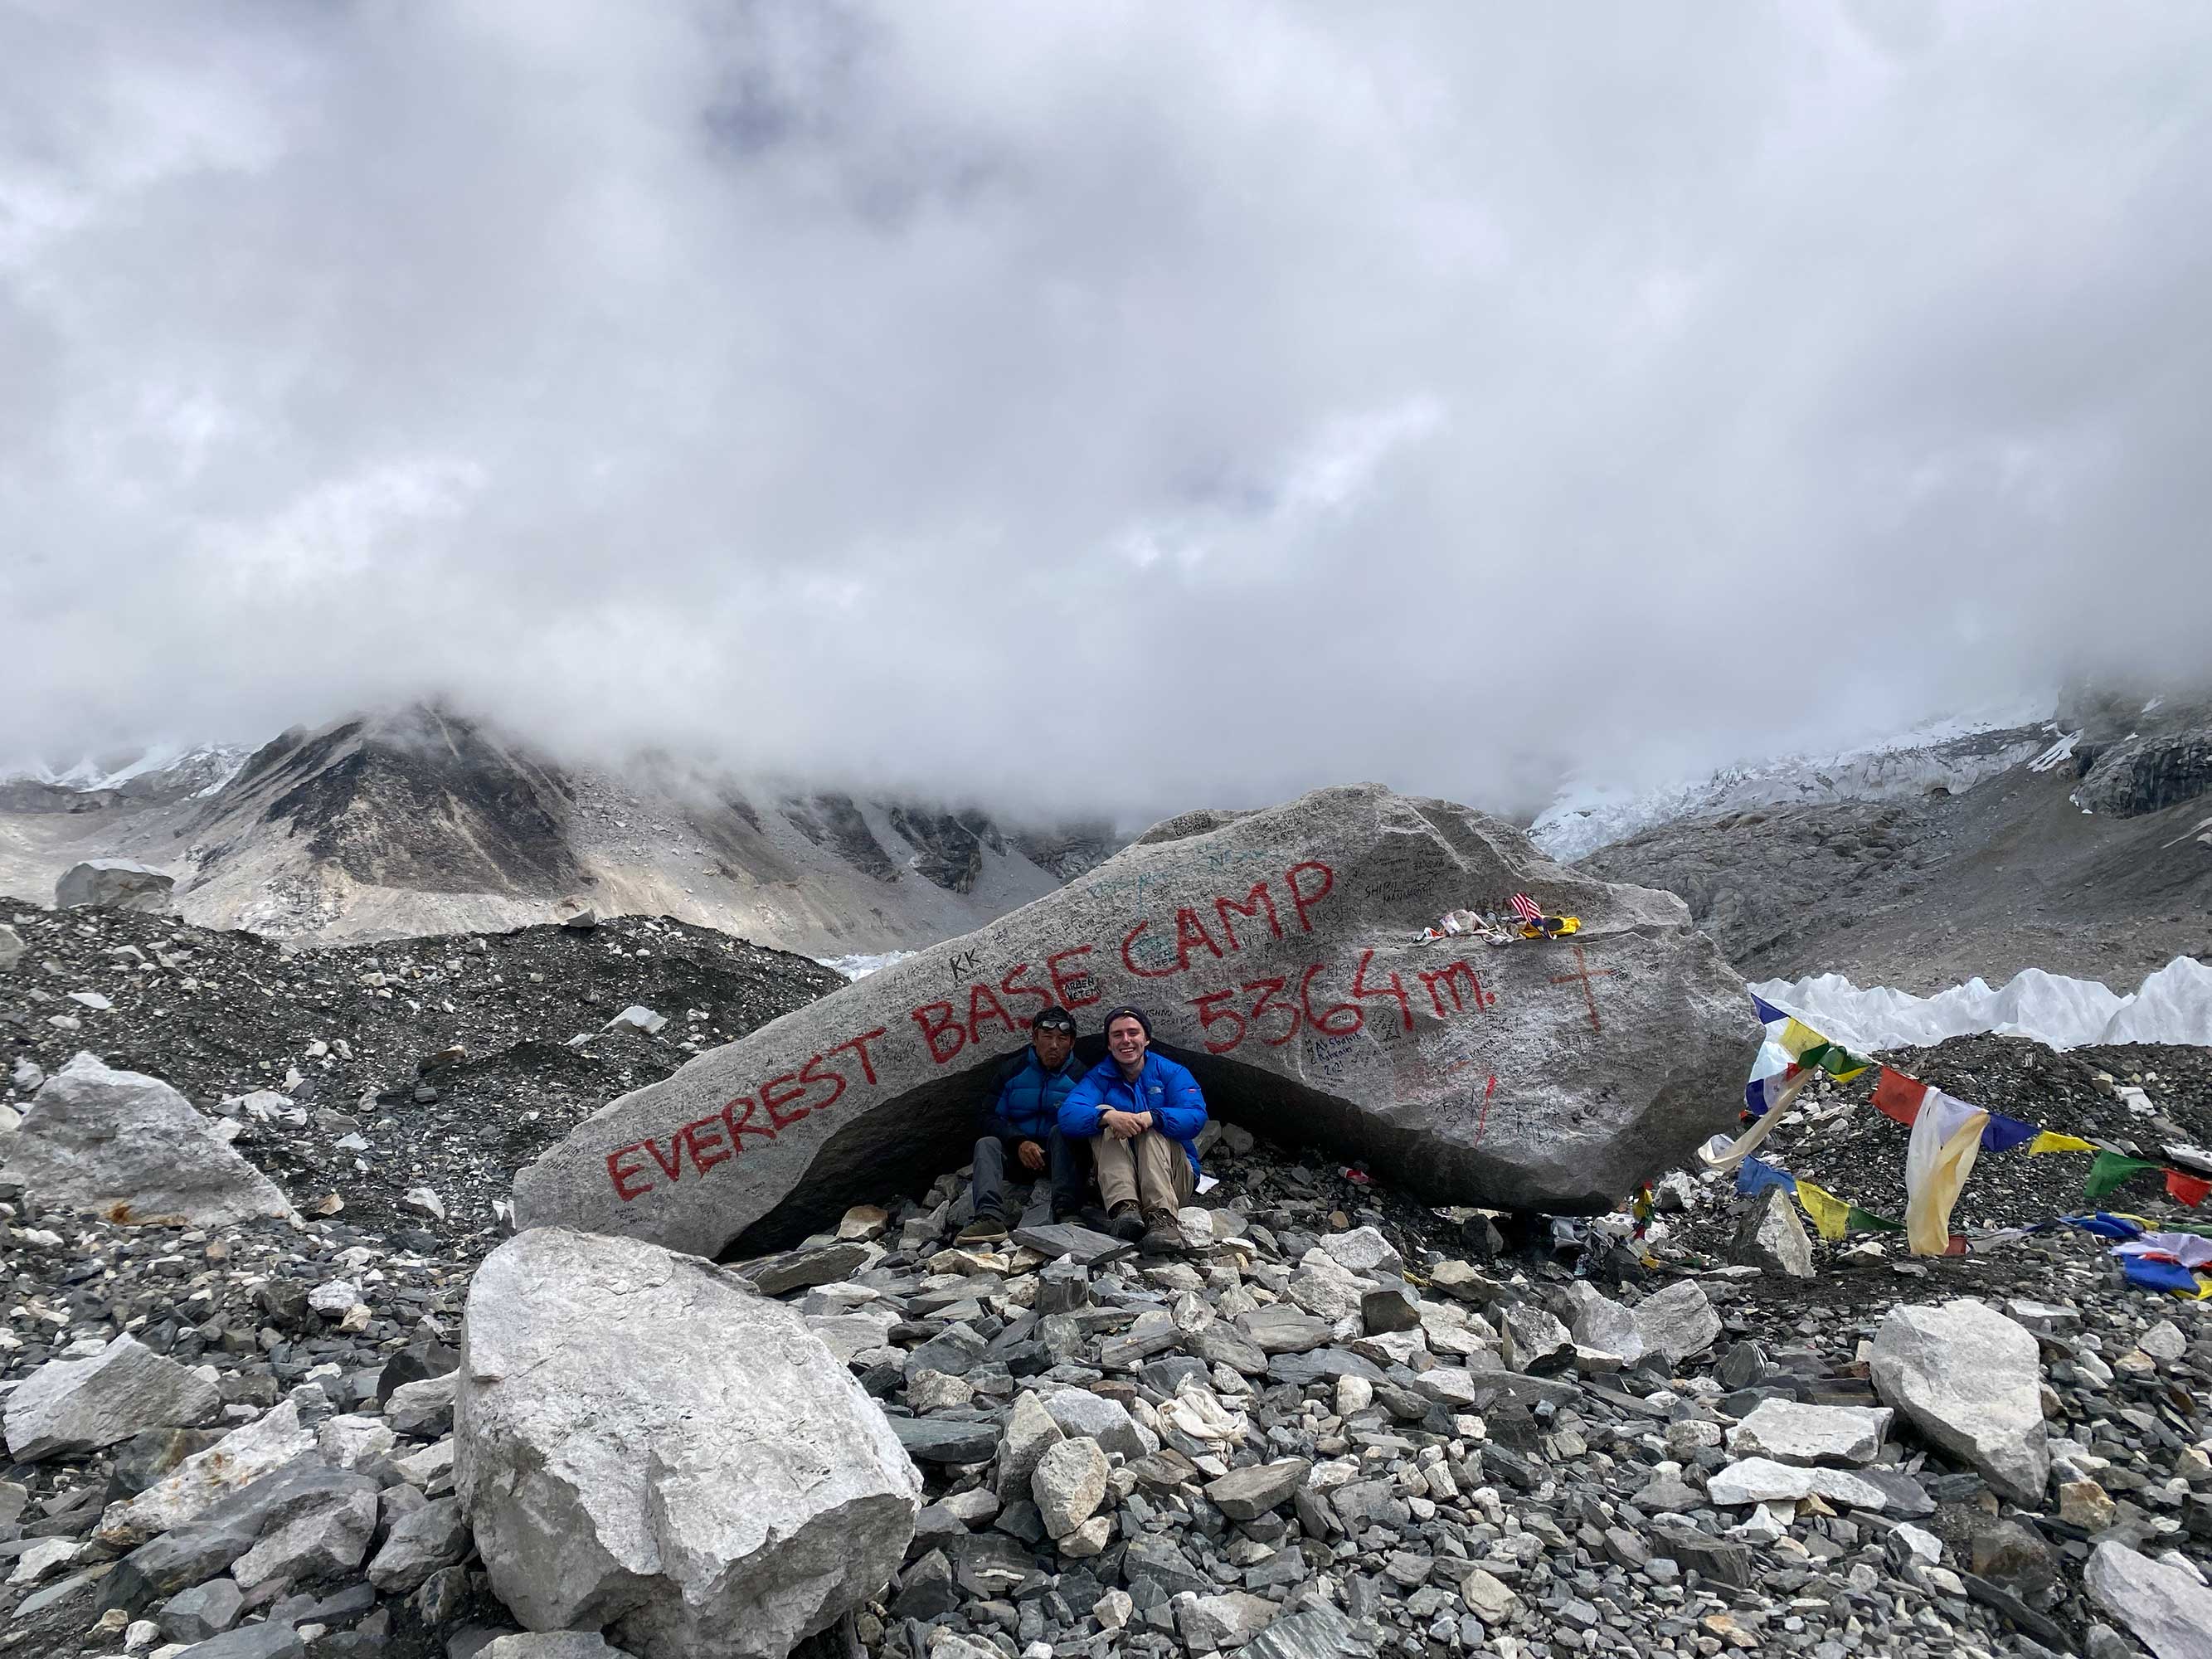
[(1063, 1162)]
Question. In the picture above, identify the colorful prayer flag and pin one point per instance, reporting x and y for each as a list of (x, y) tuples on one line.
[(1946, 1139), (1830, 1216), (1754, 1175), (1767, 1012), (2006, 1133), (2110, 1172), (2048, 1142), (1866, 1221), (2149, 1273), (1897, 1096), (2187, 1188), (1761, 1094)]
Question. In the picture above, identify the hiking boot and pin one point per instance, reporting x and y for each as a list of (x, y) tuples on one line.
[(1163, 1237), (984, 1229), (1126, 1223)]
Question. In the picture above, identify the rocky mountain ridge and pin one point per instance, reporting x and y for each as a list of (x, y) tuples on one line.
[(421, 821), (2092, 857)]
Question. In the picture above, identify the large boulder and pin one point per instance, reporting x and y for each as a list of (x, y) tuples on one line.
[(2166, 1606), (132, 1148), (1276, 954), (114, 884), (1967, 1378), (647, 1446), (82, 1405)]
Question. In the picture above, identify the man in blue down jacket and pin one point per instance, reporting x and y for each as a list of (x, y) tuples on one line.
[(1022, 1118), (1142, 1113)]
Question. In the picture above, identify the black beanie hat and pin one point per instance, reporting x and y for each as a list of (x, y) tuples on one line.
[(1054, 1019), (1126, 1012)]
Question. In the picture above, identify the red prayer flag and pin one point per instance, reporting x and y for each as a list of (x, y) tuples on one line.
[(2187, 1188), (1899, 1096)]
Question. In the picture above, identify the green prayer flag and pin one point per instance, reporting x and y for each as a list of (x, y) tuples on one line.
[(1866, 1221), (1838, 1061), (2109, 1172)]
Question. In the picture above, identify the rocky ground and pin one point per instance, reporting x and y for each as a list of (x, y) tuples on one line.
[(1925, 894), (2146, 1100), (1340, 1422), (442, 1064)]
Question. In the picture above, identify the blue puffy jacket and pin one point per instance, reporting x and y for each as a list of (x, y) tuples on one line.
[(1163, 1088), (1025, 1105)]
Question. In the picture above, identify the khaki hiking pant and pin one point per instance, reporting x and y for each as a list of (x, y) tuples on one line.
[(1152, 1170)]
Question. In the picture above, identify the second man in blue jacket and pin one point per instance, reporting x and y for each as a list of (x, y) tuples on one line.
[(1022, 1117), (1141, 1112)]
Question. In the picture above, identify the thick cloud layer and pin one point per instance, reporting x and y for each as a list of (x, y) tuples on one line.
[(1108, 405)]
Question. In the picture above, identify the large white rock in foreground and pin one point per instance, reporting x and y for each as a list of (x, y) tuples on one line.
[(1967, 1378), (1275, 952), (131, 1147), (646, 1446)]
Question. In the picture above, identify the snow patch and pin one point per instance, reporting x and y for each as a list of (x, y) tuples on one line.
[(1589, 815), (2173, 1005), (861, 965), (2060, 751)]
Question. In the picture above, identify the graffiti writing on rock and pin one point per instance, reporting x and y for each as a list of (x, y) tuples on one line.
[(1276, 1008), (981, 1010), (707, 1142)]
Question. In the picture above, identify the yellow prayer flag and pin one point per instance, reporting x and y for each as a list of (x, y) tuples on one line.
[(1797, 1036), (1831, 1215), (2045, 1141)]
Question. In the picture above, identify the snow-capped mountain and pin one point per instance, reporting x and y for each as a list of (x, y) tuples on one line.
[(421, 821), (1951, 754)]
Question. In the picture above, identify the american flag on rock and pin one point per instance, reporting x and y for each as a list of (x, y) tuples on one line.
[(1526, 909)]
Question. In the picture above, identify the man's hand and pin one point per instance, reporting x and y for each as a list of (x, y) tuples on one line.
[(1123, 1126), (1031, 1155)]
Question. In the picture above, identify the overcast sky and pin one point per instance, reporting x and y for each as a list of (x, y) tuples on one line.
[(1105, 404)]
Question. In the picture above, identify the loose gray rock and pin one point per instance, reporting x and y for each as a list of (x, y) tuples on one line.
[(11, 948), (1603, 1325), (552, 1643), (82, 1405), (1678, 1321), (1030, 1432), (1772, 1238), (1532, 1340), (2167, 1609), (436, 1535), (204, 1610), (1967, 1379), (1277, 1328), (1762, 1480), (1794, 1433), (645, 1445), (1365, 1251), (423, 1408), (273, 1639), (1079, 1411), (332, 1537), (1314, 1633), (1248, 1494), (114, 884), (833, 1104), (132, 1148), (1069, 1483)]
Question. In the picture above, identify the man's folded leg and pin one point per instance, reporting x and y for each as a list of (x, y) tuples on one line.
[(1065, 1157), (1165, 1185), (988, 1188), (1117, 1185)]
